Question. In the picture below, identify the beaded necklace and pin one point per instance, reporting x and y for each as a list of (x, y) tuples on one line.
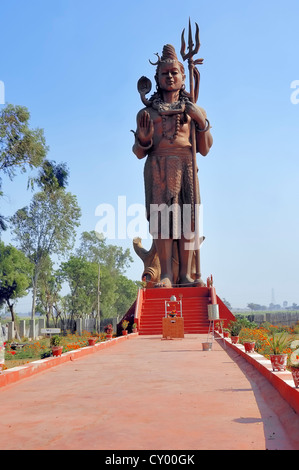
[(172, 137), (170, 110)]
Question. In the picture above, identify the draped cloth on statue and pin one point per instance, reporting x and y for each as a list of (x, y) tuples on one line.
[(169, 180)]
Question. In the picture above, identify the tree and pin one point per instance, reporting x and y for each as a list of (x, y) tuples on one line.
[(47, 226), (82, 278), (117, 291), (126, 290), (256, 307), (48, 288), (51, 176), (15, 276), (20, 147), (226, 302), (94, 248)]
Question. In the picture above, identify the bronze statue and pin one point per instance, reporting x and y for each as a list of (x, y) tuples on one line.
[(171, 128)]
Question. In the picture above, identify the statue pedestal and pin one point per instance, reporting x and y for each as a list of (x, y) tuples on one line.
[(173, 327)]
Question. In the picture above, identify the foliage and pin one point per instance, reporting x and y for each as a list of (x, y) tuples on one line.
[(245, 322), (20, 146), (256, 335), (227, 304), (55, 340), (256, 307), (279, 343), (124, 324), (48, 288), (241, 323), (47, 226), (15, 276), (94, 248), (108, 329), (275, 341), (293, 360), (51, 176), (235, 327), (82, 278), (117, 291), (126, 291), (40, 349)]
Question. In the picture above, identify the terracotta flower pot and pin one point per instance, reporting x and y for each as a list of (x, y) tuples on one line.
[(109, 336), (225, 334), (125, 332), (295, 374), (279, 361), (234, 339), (91, 341), (249, 346), (57, 350)]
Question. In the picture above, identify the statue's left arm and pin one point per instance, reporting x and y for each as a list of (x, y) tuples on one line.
[(204, 139)]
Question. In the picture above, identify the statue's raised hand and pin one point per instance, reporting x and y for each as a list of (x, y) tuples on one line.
[(145, 129)]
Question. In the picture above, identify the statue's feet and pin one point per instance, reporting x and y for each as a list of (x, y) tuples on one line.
[(164, 282), (199, 283), (186, 281)]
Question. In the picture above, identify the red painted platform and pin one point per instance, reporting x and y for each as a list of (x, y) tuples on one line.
[(150, 309), (145, 393)]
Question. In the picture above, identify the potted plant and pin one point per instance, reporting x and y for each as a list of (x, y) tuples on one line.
[(55, 343), (249, 346), (134, 328), (124, 325), (226, 332), (109, 331), (293, 365), (247, 338), (235, 327), (92, 340), (219, 326), (278, 343)]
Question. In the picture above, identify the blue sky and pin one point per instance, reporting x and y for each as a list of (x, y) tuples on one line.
[(75, 65)]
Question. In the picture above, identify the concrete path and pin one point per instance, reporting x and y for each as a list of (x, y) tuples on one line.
[(152, 394)]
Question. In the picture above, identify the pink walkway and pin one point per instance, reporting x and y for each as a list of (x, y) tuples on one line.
[(152, 394)]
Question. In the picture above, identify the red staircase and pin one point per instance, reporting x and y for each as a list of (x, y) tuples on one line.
[(150, 309)]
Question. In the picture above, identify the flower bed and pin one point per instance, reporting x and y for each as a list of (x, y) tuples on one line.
[(17, 354), (273, 340)]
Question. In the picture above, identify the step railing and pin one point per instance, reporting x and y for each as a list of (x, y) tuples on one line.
[(138, 307)]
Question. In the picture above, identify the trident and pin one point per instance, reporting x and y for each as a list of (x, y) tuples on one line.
[(194, 88)]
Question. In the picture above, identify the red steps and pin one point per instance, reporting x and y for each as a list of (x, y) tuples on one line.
[(195, 302)]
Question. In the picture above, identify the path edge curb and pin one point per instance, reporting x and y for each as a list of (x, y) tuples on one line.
[(10, 376), (282, 381)]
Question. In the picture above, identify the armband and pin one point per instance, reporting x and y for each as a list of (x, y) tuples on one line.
[(205, 129), (142, 146)]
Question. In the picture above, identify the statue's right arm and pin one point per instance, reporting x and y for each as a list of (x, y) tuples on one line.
[(144, 134)]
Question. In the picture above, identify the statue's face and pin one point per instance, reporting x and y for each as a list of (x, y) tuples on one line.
[(170, 76)]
